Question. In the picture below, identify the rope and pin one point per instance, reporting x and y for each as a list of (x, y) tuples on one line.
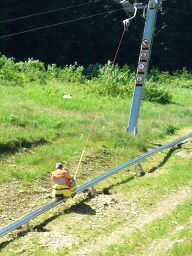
[(96, 115), (87, 141), (118, 48), (126, 24)]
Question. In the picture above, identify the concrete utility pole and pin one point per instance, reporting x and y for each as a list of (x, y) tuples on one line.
[(143, 64)]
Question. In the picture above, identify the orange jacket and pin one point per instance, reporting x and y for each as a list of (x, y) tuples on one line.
[(61, 174)]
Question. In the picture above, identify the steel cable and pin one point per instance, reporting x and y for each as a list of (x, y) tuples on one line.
[(46, 12), (60, 23)]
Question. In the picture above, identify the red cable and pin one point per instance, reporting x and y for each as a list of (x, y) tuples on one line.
[(118, 48)]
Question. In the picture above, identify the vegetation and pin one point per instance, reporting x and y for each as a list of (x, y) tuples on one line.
[(95, 40), (35, 114), (39, 127), (47, 111), (102, 80)]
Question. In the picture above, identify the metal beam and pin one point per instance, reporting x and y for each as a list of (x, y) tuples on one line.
[(142, 69), (132, 162), (90, 183), (29, 217)]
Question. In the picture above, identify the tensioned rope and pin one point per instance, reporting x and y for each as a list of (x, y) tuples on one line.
[(126, 24), (61, 23), (99, 104), (50, 11), (180, 11)]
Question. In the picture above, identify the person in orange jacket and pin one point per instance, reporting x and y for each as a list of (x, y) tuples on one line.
[(64, 184)]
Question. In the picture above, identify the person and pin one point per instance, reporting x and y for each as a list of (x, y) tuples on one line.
[(63, 184)]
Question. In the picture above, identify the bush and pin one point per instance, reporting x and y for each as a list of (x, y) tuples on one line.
[(116, 81), (170, 129), (112, 81), (182, 78), (157, 93), (20, 73), (102, 80), (17, 121)]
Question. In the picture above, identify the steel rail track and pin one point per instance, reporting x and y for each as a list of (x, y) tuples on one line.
[(132, 162), (90, 183)]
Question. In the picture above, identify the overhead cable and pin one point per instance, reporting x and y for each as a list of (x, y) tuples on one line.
[(176, 10), (61, 23), (50, 11)]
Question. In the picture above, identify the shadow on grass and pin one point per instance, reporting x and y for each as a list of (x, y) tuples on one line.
[(165, 159), (6, 243), (14, 146), (121, 182), (81, 207)]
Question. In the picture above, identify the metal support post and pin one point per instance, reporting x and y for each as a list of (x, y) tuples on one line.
[(143, 64)]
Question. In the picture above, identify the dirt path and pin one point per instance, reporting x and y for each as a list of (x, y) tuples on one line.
[(163, 208), (158, 247)]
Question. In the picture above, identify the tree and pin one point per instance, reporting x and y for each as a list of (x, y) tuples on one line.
[(95, 40)]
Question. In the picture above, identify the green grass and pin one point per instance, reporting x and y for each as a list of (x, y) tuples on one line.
[(39, 128), (55, 129), (140, 240)]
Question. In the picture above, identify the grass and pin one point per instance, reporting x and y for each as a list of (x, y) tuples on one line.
[(39, 128), (157, 231), (38, 117)]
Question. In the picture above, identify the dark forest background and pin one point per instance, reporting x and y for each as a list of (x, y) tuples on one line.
[(95, 40)]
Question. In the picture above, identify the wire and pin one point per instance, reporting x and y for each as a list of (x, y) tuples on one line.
[(46, 12), (99, 105), (60, 23), (176, 10), (118, 48)]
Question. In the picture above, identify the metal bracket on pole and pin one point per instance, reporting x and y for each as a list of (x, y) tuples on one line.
[(127, 6), (143, 64)]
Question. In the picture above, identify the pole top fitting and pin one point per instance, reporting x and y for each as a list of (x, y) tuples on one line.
[(127, 6)]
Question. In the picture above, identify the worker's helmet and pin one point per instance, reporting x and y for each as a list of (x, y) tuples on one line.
[(59, 166)]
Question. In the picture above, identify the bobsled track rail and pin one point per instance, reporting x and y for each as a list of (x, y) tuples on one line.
[(90, 183)]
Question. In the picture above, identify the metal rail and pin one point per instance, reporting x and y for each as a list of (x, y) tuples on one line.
[(88, 184), (29, 217), (132, 162)]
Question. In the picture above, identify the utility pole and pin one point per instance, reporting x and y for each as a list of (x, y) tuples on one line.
[(144, 58)]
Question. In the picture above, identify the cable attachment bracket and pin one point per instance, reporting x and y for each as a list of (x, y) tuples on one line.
[(127, 22)]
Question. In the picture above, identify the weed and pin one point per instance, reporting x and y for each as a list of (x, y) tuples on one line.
[(170, 130)]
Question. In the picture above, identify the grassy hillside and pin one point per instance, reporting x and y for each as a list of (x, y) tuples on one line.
[(38, 127)]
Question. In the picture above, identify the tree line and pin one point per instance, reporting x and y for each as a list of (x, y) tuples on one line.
[(94, 40)]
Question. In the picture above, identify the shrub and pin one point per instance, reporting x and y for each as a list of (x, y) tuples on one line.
[(170, 130), (17, 121), (32, 70), (20, 73), (112, 81), (102, 80), (154, 92), (72, 74)]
